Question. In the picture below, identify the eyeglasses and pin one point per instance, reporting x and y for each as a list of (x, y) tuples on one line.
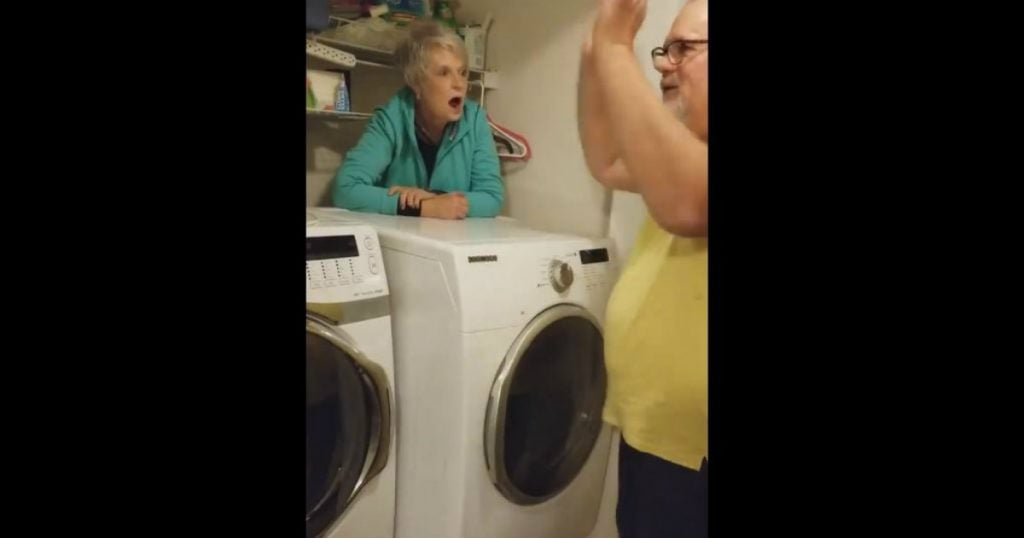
[(677, 50)]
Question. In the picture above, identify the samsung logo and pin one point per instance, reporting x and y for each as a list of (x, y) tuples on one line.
[(478, 259)]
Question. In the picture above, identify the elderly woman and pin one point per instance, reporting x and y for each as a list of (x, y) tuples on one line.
[(428, 152)]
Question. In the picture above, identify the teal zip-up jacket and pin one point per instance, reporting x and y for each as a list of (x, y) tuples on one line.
[(387, 155)]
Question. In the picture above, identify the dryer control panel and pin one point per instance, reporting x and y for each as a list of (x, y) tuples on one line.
[(343, 263), (588, 268), (505, 284)]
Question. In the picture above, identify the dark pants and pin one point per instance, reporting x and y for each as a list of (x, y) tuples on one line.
[(659, 499)]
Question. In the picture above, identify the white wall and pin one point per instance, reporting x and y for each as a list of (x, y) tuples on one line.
[(534, 45)]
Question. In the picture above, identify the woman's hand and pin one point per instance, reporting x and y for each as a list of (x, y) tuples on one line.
[(410, 196), (450, 206)]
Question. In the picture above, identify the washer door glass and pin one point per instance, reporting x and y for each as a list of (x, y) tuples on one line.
[(338, 431), (544, 415)]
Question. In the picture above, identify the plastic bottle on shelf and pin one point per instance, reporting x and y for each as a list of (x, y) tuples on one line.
[(444, 14), (341, 98)]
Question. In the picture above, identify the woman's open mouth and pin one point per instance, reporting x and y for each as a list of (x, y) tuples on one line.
[(455, 103)]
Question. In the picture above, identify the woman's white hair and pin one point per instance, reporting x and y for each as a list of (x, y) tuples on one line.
[(413, 55)]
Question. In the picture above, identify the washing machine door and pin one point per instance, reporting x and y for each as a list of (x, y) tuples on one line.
[(348, 423), (544, 411)]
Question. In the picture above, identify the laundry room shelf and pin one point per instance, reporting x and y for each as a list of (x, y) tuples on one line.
[(348, 116), (382, 58), (364, 55)]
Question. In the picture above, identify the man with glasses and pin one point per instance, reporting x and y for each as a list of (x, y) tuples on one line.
[(656, 320)]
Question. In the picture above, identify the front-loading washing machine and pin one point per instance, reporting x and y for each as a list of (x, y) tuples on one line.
[(350, 414)]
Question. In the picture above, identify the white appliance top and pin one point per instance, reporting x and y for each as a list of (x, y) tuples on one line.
[(496, 272), (442, 233)]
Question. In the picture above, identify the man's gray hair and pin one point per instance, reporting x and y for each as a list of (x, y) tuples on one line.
[(413, 55)]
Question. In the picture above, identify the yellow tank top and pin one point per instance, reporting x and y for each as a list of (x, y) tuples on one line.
[(656, 347)]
